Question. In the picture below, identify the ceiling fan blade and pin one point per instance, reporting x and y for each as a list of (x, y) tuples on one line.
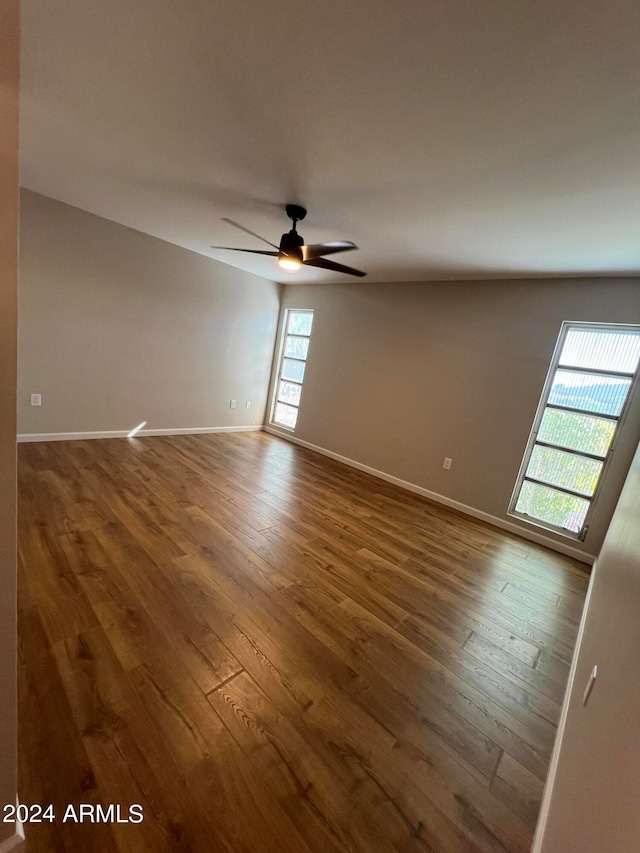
[(331, 265), (317, 250), (251, 251), (247, 231)]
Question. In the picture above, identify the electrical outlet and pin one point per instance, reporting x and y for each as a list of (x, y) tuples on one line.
[(232, 404), (36, 399), (247, 405), (447, 463)]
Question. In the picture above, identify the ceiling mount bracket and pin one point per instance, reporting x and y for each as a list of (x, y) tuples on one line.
[(296, 212)]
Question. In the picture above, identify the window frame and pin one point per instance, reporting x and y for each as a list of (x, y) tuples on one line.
[(280, 367), (543, 403)]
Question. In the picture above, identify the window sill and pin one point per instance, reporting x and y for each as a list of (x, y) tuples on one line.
[(282, 427), (559, 531)]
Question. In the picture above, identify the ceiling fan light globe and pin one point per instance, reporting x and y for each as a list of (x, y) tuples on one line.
[(289, 264), (290, 257)]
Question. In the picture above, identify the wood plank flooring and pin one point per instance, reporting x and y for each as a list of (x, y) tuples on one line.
[(270, 651)]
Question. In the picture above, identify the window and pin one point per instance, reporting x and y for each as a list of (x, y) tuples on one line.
[(293, 358), (593, 372)]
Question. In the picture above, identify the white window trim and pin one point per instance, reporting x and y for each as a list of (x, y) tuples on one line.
[(542, 404), (280, 366)]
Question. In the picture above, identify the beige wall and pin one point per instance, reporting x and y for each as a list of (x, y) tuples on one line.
[(8, 289), (591, 800), (401, 375), (117, 327)]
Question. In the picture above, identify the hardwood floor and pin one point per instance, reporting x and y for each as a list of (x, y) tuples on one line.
[(270, 651)]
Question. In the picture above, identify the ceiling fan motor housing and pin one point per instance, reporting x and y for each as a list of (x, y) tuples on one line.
[(291, 245)]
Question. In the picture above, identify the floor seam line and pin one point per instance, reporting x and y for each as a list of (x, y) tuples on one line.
[(226, 681)]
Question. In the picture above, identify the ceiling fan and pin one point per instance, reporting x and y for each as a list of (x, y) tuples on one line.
[(292, 253)]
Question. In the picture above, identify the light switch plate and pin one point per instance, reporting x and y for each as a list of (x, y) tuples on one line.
[(36, 399)]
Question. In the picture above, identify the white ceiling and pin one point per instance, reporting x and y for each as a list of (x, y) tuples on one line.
[(447, 138)]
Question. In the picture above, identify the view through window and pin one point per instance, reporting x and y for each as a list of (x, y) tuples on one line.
[(295, 348), (584, 401)]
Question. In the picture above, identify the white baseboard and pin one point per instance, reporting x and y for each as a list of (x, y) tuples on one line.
[(16, 842), (532, 535), (123, 433), (547, 795)]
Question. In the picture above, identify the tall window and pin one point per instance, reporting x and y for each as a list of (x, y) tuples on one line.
[(293, 358), (593, 373)]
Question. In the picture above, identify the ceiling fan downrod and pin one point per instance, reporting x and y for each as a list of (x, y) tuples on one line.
[(295, 212)]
